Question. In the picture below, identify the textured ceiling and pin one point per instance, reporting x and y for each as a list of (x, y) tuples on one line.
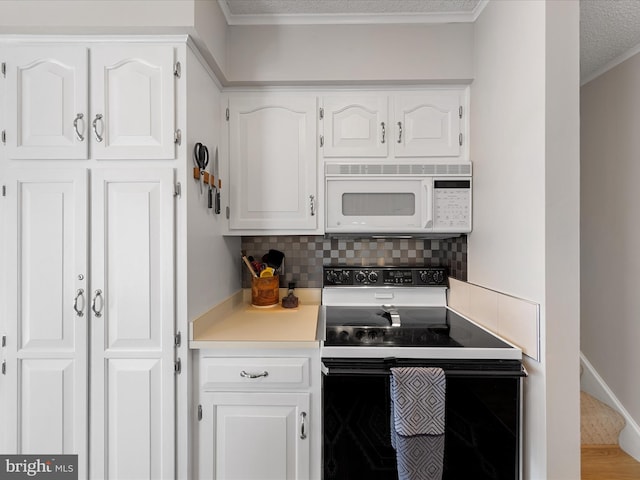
[(608, 28)]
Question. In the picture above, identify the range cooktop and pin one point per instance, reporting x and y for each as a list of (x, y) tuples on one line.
[(419, 327)]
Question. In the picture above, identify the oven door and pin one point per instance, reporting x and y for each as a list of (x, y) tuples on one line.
[(483, 415), (377, 205)]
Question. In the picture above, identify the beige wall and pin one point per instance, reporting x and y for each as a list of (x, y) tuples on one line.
[(525, 237), (610, 229), (322, 54)]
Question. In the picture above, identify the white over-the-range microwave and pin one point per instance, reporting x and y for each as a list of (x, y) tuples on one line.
[(398, 199)]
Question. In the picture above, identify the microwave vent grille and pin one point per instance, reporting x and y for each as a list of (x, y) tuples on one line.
[(397, 169)]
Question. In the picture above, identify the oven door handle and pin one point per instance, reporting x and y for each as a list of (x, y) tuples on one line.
[(452, 373)]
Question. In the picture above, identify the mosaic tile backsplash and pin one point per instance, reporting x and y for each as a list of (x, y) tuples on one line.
[(306, 255)]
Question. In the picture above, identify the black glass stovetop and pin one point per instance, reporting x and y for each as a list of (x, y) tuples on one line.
[(420, 327)]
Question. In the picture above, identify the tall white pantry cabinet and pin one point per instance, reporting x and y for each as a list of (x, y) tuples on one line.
[(93, 152)]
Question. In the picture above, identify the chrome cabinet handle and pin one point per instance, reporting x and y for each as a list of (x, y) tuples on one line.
[(383, 131), (400, 132), (244, 374), (97, 312), (312, 202), (79, 116), (303, 430), (79, 311), (95, 126)]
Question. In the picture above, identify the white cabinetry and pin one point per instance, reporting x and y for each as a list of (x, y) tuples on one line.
[(401, 125), (260, 417), (128, 115), (273, 167), (119, 306)]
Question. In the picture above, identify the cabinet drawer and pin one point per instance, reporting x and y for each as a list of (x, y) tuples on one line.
[(247, 372)]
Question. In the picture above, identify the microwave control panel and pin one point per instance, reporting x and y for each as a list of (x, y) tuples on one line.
[(452, 205)]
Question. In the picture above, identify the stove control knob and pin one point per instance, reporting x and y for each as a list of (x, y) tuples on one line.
[(360, 277), (360, 334), (373, 334), (424, 276), (331, 276), (373, 277)]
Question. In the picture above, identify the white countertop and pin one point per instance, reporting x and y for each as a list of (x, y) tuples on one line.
[(235, 323)]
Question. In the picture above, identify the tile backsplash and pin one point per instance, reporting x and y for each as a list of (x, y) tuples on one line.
[(306, 255)]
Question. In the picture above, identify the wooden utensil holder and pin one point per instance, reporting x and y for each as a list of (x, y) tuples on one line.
[(265, 291)]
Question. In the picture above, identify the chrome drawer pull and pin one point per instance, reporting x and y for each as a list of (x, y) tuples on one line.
[(95, 126), (303, 433), (244, 374), (79, 116), (79, 295)]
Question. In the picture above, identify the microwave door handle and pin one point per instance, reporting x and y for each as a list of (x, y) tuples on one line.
[(427, 216)]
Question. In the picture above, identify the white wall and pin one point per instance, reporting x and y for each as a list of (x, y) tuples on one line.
[(610, 229), (322, 54), (525, 238)]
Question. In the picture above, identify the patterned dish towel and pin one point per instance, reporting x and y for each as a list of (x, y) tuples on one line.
[(417, 421)]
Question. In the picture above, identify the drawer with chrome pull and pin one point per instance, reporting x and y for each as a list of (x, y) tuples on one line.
[(250, 372)]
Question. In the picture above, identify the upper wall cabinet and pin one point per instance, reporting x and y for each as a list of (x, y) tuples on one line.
[(420, 124), (273, 167), (128, 115)]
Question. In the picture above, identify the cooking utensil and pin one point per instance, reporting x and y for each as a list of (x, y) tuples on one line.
[(216, 175), (248, 264), (274, 258)]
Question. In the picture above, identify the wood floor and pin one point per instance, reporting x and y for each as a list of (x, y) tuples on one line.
[(608, 462)]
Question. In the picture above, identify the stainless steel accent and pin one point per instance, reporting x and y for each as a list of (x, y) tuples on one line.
[(80, 276), (4, 136), (460, 139), (460, 112), (4, 190), (321, 113), (199, 412), (79, 311), (312, 203), (227, 114), (322, 140), (303, 430), (177, 137), (4, 341), (244, 374), (177, 191), (79, 116), (399, 132), (177, 366), (384, 132), (177, 71), (393, 314), (4, 69), (99, 138), (177, 339), (4, 367), (227, 212), (97, 312)]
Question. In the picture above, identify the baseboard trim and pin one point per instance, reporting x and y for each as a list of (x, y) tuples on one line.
[(592, 383)]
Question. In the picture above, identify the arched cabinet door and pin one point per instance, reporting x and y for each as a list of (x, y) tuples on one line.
[(132, 102), (46, 102), (428, 124)]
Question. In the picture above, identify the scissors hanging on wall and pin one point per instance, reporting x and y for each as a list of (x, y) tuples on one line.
[(201, 160)]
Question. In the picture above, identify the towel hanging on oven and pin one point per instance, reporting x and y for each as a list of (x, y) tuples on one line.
[(418, 421)]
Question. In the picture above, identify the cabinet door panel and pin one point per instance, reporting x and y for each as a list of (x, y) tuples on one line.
[(134, 434), (254, 436), (46, 351), (427, 124), (273, 163), (132, 339), (356, 127), (133, 90), (47, 91)]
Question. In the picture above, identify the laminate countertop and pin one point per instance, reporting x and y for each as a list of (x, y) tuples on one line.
[(235, 323)]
